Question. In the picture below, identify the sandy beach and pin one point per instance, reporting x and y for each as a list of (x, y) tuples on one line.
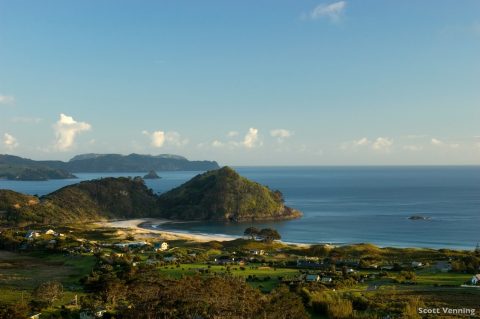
[(144, 227)]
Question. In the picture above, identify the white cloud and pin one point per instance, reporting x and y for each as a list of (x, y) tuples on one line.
[(217, 144), (66, 130), (361, 142), (175, 139), (382, 144), (440, 143), (251, 138), (281, 134), (161, 138), (7, 99), (355, 144), (413, 148), (232, 134), (9, 141), (333, 11)]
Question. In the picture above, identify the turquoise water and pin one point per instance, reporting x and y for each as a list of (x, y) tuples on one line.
[(348, 204)]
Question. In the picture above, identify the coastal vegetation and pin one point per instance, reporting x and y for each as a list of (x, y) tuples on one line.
[(31, 173), (216, 195), (119, 274), (224, 195)]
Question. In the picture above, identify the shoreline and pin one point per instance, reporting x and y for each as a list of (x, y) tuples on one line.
[(145, 226)]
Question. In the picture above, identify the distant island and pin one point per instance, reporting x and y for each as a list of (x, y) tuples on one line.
[(418, 217), (151, 175), (220, 195), (18, 168), (21, 172)]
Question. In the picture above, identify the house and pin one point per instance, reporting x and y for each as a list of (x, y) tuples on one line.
[(326, 280), (32, 234), (475, 280), (135, 244), (312, 278), (224, 260), (50, 232), (160, 246), (417, 264), (35, 316), (169, 259), (259, 252), (89, 314), (443, 266), (309, 264)]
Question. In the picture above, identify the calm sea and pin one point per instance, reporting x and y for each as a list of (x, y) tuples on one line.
[(347, 204)]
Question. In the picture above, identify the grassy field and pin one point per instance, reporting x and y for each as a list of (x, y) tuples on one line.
[(442, 279), (20, 273), (268, 277)]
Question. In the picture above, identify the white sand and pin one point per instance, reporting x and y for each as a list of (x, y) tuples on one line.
[(146, 231), (133, 225)]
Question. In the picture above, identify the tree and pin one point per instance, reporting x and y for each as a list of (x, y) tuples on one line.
[(269, 235), (253, 232), (48, 292), (283, 304)]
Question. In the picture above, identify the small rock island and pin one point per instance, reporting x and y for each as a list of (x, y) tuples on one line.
[(151, 175), (418, 217)]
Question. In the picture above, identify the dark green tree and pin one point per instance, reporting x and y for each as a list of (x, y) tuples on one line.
[(253, 232), (269, 235)]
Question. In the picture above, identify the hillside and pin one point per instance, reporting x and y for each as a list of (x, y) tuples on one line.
[(224, 195), (98, 163), (86, 201), (220, 195), (26, 170)]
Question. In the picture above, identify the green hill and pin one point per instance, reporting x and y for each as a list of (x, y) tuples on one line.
[(220, 195), (224, 195), (23, 172), (86, 201)]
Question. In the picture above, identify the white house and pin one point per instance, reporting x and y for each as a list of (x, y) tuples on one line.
[(32, 234), (416, 264), (161, 247), (475, 279), (260, 252)]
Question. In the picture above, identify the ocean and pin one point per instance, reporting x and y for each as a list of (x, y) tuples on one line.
[(344, 205)]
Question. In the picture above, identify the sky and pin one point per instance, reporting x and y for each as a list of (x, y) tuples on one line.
[(260, 82)]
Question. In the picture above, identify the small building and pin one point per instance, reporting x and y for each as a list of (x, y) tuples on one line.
[(50, 232), (35, 316), (302, 263), (160, 246), (475, 280), (170, 259), (32, 234), (312, 278), (443, 266), (259, 252), (326, 280), (224, 260), (417, 264)]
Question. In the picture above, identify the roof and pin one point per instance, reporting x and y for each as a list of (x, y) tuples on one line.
[(312, 277)]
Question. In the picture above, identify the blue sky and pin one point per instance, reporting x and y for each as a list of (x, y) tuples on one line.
[(243, 82)]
